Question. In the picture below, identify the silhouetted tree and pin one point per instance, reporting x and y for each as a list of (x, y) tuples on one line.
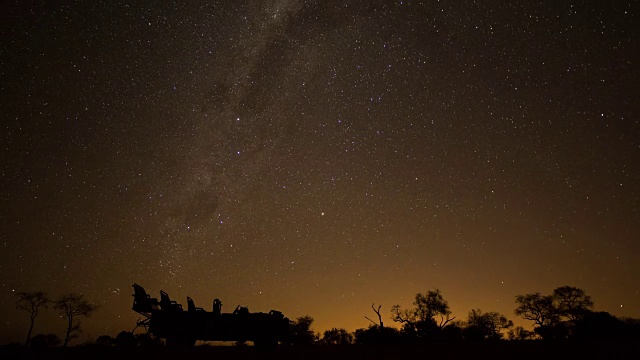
[(72, 306), (537, 308), (31, 302), (421, 320), (377, 311), (555, 316), (337, 337), (485, 326), (300, 332), (42, 341), (105, 340)]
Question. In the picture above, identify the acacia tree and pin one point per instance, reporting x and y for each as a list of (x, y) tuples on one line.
[(537, 308), (72, 306), (423, 316), (555, 315), (31, 302)]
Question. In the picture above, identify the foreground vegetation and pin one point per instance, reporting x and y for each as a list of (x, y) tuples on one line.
[(565, 325)]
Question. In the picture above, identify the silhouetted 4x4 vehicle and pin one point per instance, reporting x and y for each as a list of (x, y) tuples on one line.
[(181, 328)]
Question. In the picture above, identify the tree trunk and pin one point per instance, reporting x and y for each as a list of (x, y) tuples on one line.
[(26, 343), (69, 327)]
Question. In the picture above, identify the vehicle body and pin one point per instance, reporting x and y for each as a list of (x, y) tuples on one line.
[(166, 319)]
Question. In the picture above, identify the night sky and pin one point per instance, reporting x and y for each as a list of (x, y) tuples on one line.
[(316, 157)]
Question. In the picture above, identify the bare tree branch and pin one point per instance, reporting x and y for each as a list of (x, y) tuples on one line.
[(375, 323), (378, 313), (444, 322)]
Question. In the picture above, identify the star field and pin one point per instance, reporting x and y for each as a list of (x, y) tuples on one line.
[(315, 157)]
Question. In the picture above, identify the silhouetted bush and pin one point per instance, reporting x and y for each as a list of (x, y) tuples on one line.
[(125, 339), (520, 333), (300, 332), (453, 331), (485, 326), (378, 335), (148, 340), (337, 337), (598, 326), (42, 341), (12, 346), (105, 340)]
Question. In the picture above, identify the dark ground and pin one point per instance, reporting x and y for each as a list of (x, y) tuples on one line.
[(505, 350)]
